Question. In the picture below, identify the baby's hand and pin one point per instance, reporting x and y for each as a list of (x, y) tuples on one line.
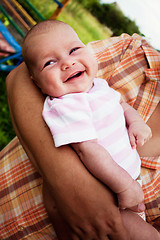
[(139, 133), (131, 197)]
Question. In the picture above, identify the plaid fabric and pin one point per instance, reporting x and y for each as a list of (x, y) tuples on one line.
[(22, 213), (130, 66)]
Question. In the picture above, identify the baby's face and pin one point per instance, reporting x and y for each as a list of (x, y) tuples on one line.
[(61, 63)]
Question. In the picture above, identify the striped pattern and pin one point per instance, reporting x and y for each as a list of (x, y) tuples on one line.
[(130, 66), (96, 114)]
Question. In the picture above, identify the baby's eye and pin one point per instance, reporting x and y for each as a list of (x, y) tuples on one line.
[(73, 50), (49, 63)]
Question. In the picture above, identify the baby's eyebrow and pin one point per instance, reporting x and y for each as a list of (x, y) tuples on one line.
[(78, 42)]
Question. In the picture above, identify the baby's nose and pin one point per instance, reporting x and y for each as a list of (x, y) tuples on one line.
[(67, 64)]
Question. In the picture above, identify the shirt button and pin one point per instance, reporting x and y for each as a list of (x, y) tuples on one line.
[(21, 228)]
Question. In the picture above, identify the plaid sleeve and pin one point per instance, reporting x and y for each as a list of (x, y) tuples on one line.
[(132, 67)]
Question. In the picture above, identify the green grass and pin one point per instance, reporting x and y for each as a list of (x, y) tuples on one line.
[(87, 27)]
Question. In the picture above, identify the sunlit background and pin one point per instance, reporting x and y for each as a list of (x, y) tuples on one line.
[(146, 14), (141, 16)]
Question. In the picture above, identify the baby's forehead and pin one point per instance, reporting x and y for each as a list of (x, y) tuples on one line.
[(57, 36), (53, 28), (48, 39)]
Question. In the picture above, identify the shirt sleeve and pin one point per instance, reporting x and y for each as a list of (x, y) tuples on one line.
[(69, 119)]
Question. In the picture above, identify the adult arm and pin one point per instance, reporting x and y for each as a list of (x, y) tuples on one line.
[(86, 205)]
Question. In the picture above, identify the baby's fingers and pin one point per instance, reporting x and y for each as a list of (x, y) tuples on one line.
[(132, 141), (139, 208), (149, 135), (140, 141)]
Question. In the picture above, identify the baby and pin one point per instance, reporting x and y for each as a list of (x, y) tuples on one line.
[(83, 111)]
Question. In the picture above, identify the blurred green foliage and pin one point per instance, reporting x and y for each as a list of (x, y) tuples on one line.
[(6, 130), (111, 16)]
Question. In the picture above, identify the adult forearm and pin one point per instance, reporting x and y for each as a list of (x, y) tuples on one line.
[(75, 191), (25, 103)]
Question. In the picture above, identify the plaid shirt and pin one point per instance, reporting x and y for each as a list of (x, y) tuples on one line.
[(132, 67)]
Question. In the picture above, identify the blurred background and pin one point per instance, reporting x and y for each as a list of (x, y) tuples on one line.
[(146, 15), (91, 19)]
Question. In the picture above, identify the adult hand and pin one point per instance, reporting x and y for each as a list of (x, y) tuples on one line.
[(88, 209)]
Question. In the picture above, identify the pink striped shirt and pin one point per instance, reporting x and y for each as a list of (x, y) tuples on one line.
[(97, 114)]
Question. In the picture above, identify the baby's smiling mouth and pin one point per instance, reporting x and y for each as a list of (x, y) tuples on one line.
[(75, 75)]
